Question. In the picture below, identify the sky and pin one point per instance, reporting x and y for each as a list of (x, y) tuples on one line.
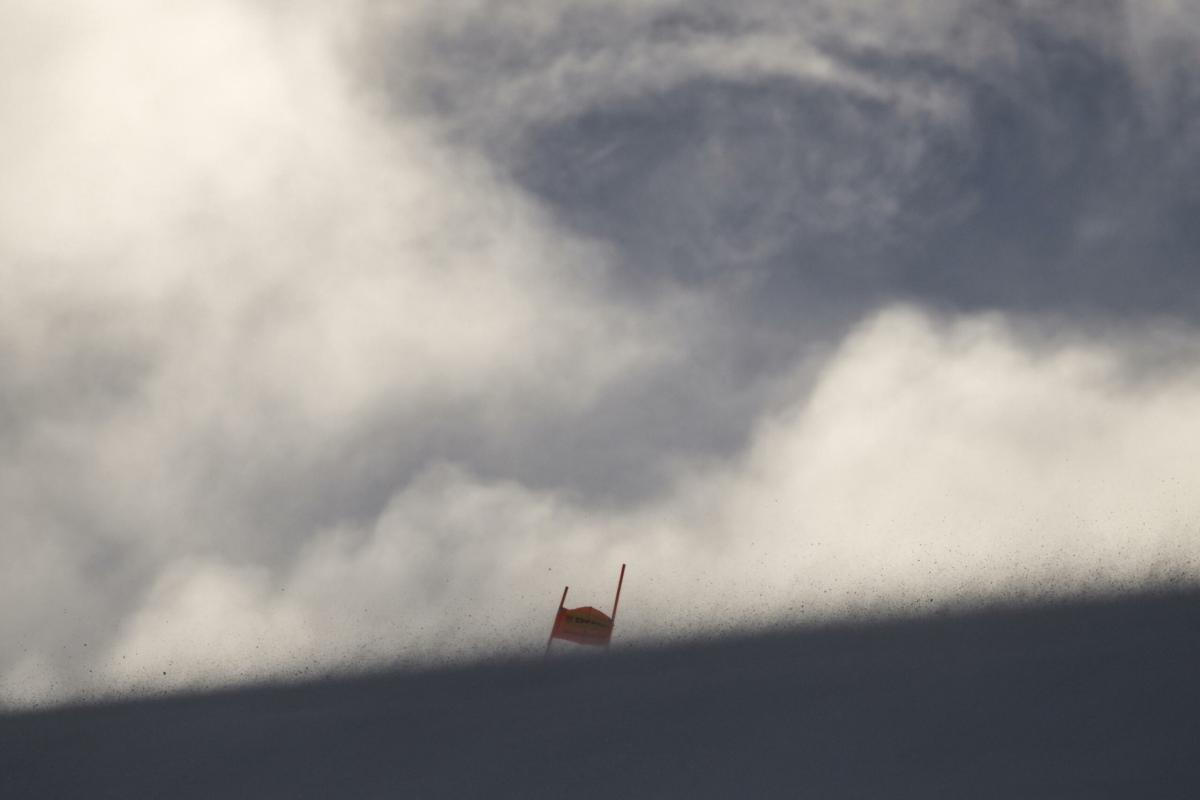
[(333, 337)]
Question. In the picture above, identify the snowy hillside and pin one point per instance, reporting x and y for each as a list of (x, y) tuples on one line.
[(1084, 699)]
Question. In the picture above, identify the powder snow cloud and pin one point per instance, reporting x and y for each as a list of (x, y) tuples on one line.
[(334, 338)]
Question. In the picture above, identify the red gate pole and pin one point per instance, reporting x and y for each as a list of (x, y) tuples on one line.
[(552, 627), (617, 599)]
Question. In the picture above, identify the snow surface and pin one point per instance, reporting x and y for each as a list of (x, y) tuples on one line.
[(1088, 698)]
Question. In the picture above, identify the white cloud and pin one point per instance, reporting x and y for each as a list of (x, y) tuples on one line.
[(936, 462), (208, 623), (221, 265)]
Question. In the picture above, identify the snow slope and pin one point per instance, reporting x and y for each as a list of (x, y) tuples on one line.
[(1088, 698)]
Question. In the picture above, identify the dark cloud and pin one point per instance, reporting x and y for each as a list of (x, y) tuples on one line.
[(1061, 180), (1008, 157)]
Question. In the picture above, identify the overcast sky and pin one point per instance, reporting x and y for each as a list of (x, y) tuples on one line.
[(338, 336)]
